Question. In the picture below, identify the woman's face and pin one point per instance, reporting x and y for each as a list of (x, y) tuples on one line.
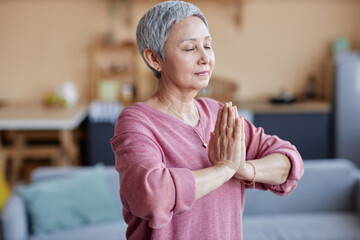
[(189, 59)]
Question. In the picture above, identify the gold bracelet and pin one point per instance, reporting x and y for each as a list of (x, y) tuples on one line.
[(252, 180)]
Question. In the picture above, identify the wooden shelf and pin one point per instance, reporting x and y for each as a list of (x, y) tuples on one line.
[(117, 74), (238, 5), (115, 63)]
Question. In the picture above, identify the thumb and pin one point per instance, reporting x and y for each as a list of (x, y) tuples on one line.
[(212, 135)]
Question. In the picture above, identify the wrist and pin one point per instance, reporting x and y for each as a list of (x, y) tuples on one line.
[(246, 173), (226, 169), (252, 181)]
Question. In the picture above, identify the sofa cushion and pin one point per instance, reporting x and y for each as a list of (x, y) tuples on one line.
[(69, 202), (327, 185), (46, 173), (107, 231), (316, 226)]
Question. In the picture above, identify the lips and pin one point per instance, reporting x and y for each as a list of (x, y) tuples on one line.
[(204, 73)]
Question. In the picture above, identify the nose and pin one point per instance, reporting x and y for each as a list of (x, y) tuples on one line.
[(204, 57)]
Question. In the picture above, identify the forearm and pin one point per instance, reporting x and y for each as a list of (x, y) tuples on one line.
[(272, 169), (209, 179)]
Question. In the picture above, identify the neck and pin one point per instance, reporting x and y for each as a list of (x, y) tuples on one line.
[(179, 106), (181, 101)]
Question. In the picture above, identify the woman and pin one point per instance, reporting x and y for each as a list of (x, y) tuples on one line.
[(181, 161)]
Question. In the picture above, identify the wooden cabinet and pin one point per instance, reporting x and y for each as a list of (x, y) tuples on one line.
[(309, 132), (307, 125), (114, 72), (98, 143)]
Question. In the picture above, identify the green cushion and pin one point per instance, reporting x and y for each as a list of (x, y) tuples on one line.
[(76, 200)]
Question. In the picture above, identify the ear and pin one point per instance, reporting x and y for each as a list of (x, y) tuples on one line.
[(153, 59)]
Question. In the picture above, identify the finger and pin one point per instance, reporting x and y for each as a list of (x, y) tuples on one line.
[(242, 132), (242, 129), (229, 115), (231, 120), (240, 139), (237, 131), (243, 143), (236, 114), (218, 146), (212, 138), (218, 121), (211, 141), (224, 118), (223, 147)]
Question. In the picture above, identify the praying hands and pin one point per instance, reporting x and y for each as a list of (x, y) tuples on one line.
[(227, 143)]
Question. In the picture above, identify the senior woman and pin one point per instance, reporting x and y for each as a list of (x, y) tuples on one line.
[(183, 163)]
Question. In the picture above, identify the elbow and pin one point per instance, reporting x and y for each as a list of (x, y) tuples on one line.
[(285, 170), (283, 177), (159, 217), (155, 212), (156, 208), (287, 177)]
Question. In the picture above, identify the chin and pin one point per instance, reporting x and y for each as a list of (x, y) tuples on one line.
[(203, 82), (201, 85)]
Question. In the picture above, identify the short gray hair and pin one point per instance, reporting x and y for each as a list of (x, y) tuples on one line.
[(154, 26)]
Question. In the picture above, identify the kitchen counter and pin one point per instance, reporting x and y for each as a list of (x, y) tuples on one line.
[(287, 108), (40, 117)]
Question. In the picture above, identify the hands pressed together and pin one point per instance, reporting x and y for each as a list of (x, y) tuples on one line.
[(227, 142)]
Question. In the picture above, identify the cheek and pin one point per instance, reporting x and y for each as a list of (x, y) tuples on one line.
[(212, 61), (183, 65)]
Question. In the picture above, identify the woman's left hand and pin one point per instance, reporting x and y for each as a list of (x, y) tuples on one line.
[(243, 172)]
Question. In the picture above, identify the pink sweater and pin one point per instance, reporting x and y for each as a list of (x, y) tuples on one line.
[(155, 154)]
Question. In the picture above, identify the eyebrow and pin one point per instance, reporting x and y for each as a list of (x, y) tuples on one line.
[(194, 39)]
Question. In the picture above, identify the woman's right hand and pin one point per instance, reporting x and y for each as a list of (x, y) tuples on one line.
[(225, 143), (225, 152)]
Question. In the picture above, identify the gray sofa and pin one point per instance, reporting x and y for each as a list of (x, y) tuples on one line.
[(325, 205), (15, 223)]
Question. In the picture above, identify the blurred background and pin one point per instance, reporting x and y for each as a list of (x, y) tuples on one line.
[(76, 63), (68, 68), (263, 46)]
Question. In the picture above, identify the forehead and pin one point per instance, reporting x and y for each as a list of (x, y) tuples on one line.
[(188, 28)]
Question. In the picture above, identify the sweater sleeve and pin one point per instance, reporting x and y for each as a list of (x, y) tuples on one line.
[(259, 145), (148, 189)]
